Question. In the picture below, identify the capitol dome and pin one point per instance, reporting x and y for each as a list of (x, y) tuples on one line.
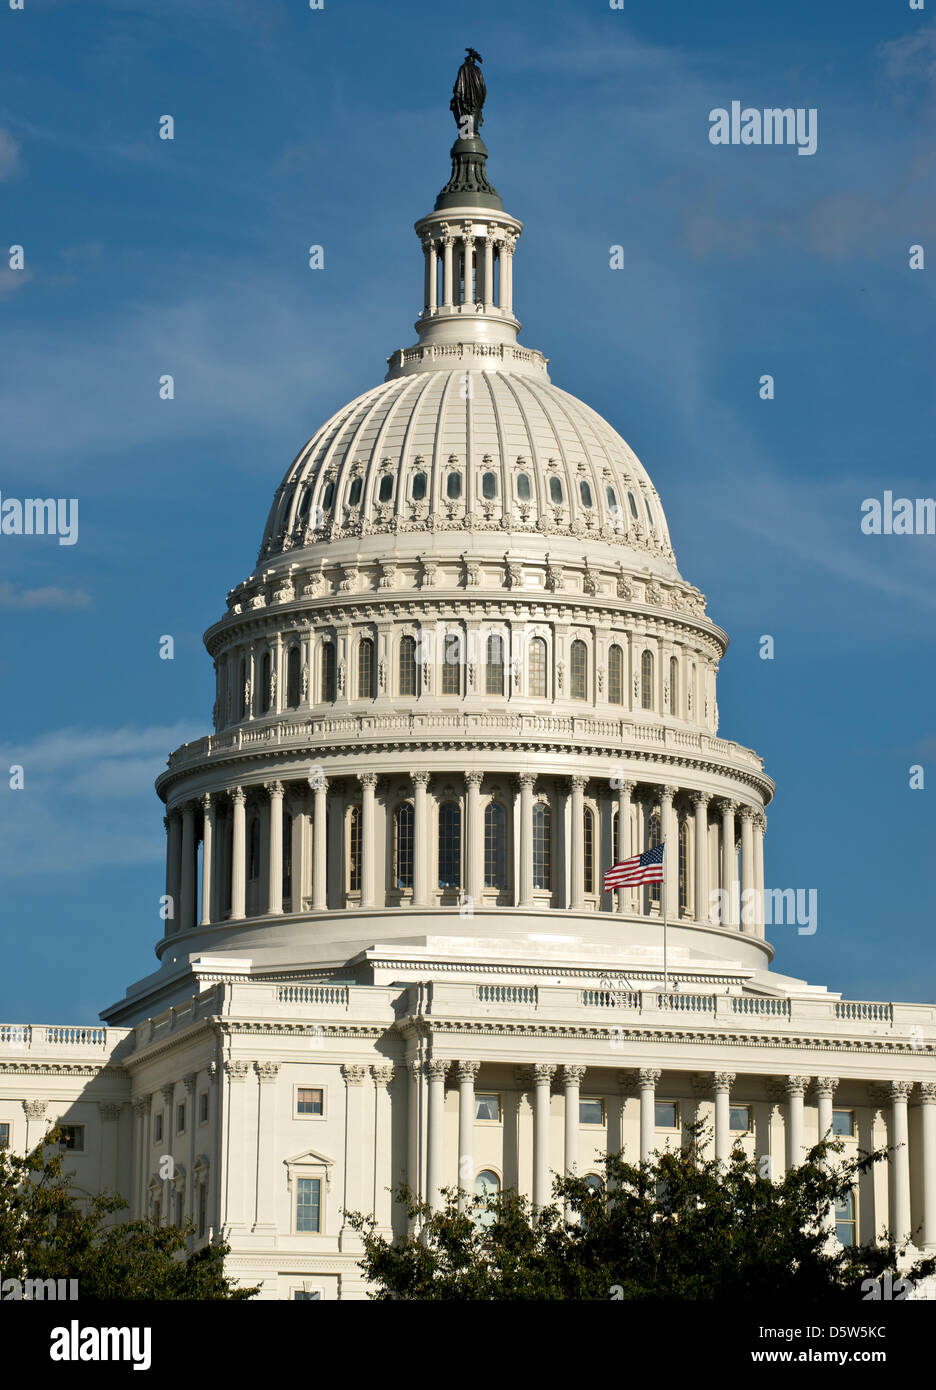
[(465, 677)]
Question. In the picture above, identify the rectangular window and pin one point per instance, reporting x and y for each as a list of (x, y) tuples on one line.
[(740, 1117), (4, 1135), (179, 1209), (301, 1295), (157, 1129), (308, 1204), (202, 1208), (310, 1101), (588, 836), (71, 1137), (451, 665), (591, 1112), (667, 1114), (203, 1108), (843, 1123), (180, 1118), (487, 1106)]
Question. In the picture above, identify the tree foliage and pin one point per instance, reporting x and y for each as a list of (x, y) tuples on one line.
[(678, 1227), (51, 1230)]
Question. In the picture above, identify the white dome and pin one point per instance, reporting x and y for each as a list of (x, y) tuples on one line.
[(471, 450)]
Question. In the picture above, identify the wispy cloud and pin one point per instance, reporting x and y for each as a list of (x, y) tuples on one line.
[(49, 597)]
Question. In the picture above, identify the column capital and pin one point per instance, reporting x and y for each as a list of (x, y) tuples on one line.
[(353, 1073), (722, 1081), (467, 1070), (577, 782), (760, 822), (700, 798), (383, 1074), (825, 1085), (623, 785), (573, 1074), (796, 1085), (647, 1078), (525, 780), (167, 1093), (141, 1105), (437, 1068), (726, 806), (274, 789), (235, 1069), (238, 796), (266, 1071), (747, 813), (367, 779), (543, 1073), (206, 802), (34, 1109), (189, 1081), (927, 1092), (420, 778), (899, 1091), (667, 793), (473, 779)]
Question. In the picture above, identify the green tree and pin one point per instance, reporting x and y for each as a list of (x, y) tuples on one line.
[(51, 1230), (678, 1227)]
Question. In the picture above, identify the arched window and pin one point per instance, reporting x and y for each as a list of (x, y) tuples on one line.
[(616, 675), (654, 836), (365, 669), (253, 855), (649, 512), (633, 506), (612, 498), (495, 845), (615, 843), (646, 680), (594, 1183), (524, 492), (494, 668), (419, 487), (451, 664), (555, 490), (328, 671), (585, 493), (407, 680), (542, 846), (450, 845), (578, 676), (673, 685), (354, 850), (242, 689), (536, 668), (328, 496), (292, 678), (403, 822), (265, 683), (287, 858), (487, 1187), (489, 486), (845, 1219), (354, 492), (588, 839), (684, 866), (453, 486), (385, 491)]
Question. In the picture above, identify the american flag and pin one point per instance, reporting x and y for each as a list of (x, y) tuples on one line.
[(641, 868)]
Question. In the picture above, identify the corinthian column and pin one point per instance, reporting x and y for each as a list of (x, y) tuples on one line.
[(238, 854), (928, 1161), (435, 1071), (625, 896), (447, 243), (721, 1085), (700, 801), (795, 1090), (173, 868), (760, 825), (368, 781), (525, 783), (187, 886), (466, 1073), (571, 1083), (577, 847), (275, 875), (542, 1076), (474, 839), (647, 1079), (420, 840), (900, 1160), (748, 901), (208, 827), (729, 870), (670, 854), (319, 846)]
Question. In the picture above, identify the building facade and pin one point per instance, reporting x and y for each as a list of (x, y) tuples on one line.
[(464, 677)]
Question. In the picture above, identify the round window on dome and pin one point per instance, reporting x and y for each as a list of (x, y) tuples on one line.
[(633, 506), (385, 491), (453, 486), (585, 493), (523, 487), (489, 486), (555, 490), (354, 492), (328, 496), (419, 487)]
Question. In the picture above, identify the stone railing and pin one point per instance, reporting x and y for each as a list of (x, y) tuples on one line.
[(312, 994), (30, 1036), (507, 994), (618, 735)]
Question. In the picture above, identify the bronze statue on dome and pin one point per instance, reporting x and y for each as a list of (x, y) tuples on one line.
[(468, 94)]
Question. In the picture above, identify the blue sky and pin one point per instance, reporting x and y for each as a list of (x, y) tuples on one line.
[(296, 127)]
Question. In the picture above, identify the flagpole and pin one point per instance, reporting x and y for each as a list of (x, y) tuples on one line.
[(663, 905)]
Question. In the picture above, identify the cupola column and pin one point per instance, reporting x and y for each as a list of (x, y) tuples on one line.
[(489, 271), (319, 846), (625, 896), (420, 839), (468, 243), (275, 875), (669, 835), (238, 853), (729, 863), (431, 274), (173, 868), (525, 785), (473, 838), (578, 843), (448, 241), (748, 899), (368, 781), (700, 802), (208, 828), (760, 825)]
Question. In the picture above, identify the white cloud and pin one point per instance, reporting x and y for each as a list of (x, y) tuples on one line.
[(49, 597)]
